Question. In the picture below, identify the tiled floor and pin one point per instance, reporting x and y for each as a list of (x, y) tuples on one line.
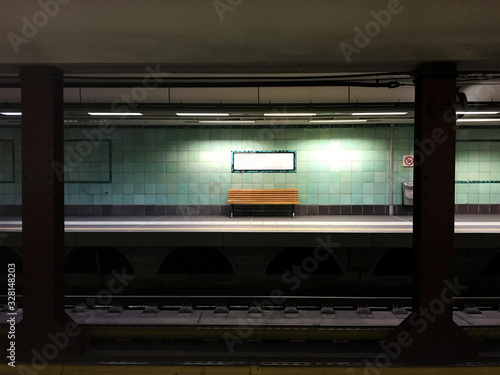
[(316, 223)]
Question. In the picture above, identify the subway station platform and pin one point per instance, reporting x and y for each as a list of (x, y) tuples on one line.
[(305, 224)]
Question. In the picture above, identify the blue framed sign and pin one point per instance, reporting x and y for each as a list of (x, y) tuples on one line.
[(264, 161)]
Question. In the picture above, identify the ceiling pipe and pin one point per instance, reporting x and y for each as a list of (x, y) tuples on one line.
[(130, 82)]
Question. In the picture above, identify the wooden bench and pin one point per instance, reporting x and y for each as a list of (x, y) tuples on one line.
[(262, 196)]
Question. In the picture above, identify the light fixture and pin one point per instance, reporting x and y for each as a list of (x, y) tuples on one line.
[(227, 121), (379, 113), (11, 113), (114, 113), (289, 114), (202, 114), (479, 120), (477, 113), (339, 121)]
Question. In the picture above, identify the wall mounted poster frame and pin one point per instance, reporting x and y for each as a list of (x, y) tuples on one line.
[(264, 161)]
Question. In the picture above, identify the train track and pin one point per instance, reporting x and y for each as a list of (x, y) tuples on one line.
[(307, 302)]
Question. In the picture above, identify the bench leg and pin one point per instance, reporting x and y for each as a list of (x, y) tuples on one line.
[(232, 210), (293, 211)]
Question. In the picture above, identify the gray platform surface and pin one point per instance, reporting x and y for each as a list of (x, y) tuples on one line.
[(316, 223)]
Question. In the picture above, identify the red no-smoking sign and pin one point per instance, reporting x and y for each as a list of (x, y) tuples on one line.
[(408, 161)]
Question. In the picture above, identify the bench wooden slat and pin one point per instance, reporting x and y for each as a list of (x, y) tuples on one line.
[(263, 196)]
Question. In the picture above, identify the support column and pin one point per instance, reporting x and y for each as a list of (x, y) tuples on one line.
[(429, 333), (43, 218)]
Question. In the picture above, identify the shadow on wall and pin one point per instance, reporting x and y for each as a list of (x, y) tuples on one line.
[(493, 266), (287, 258), (397, 262), (97, 260), (196, 260)]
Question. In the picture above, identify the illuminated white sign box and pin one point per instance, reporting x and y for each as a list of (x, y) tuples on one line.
[(263, 161)]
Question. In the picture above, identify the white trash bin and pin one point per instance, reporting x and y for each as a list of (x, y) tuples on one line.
[(408, 193)]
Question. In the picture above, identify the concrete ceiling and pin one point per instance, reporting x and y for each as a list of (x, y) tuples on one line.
[(248, 38), (249, 35)]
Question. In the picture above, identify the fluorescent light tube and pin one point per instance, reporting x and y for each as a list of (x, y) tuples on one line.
[(477, 113), (114, 113), (379, 114), (202, 114), (478, 120), (289, 114), (338, 121), (11, 113), (228, 121)]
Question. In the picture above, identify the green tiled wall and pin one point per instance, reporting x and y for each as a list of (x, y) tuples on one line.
[(338, 165), (10, 192), (478, 161), (7, 165), (403, 145)]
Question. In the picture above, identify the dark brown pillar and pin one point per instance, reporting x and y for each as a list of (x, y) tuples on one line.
[(43, 217), (429, 333)]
